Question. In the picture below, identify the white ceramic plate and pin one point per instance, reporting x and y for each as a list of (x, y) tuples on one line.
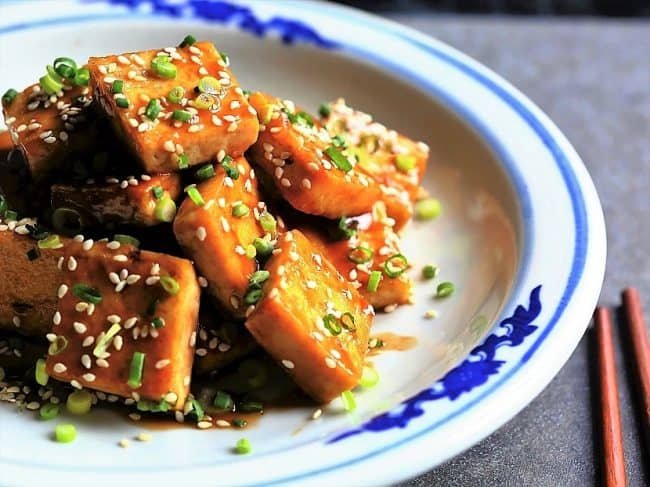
[(522, 236)]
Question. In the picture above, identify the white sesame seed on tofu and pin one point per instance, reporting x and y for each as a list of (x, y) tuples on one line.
[(59, 368), (63, 290), (88, 341), (330, 362), (288, 364)]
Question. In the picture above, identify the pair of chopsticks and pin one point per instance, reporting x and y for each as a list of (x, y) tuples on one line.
[(612, 431)]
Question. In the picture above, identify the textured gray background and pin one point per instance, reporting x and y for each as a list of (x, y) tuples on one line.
[(593, 78)]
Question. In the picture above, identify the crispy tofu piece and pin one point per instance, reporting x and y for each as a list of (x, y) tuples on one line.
[(216, 240), (303, 291), (27, 287), (98, 341), (48, 130), (127, 201), (390, 158), (294, 154), (366, 251), (229, 124)]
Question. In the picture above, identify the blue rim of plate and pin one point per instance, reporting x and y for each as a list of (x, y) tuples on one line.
[(559, 156)]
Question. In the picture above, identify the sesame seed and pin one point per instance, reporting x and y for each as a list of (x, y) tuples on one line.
[(112, 319), (72, 264), (85, 361), (169, 146), (234, 302), (63, 136), (161, 364), (81, 306), (102, 363), (390, 308), (132, 279), (203, 71), (89, 377), (123, 60), (63, 289), (317, 414), (285, 182), (118, 341), (288, 364), (75, 383), (113, 245), (143, 437), (196, 59), (134, 416), (88, 244), (33, 406), (88, 341), (203, 282), (49, 140), (151, 280), (330, 362), (204, 425), (51, 337), (59, 368), (124, 443), (120, 258), (192, 339), (429, 314), (129, 323), (225, 225), (201, 233), (201, 352), (232, 127), (79, 327), (194, 128)]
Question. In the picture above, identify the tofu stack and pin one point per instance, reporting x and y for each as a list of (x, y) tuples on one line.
[(164, 193)]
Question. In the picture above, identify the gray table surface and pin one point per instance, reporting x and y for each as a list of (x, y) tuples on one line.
[(593, 78)]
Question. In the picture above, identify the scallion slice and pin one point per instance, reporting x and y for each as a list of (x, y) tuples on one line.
[(228, 165), (39, 372), (332, 324), (360, 255), (176, 94), (263, 247), (104, 340), (205, 101), (163, 67), (240, 210), (251, 406), (153, 109), (181, 115), (258, 278), (205, 172), (136, 369), (338, 158), (347, 228), (444, 289), (49, 84), (195, 195), (243, 446), (428, 209), (369, 377), (405, 162), (268, 223), (79, 402), (347, 322), (158, 322), (48, 411), (118, 86), (122, 102), (65, 433), (209, 85), (349, 403), (182, 161), (59, 344), (87, 293), (126, 239), (9, 96), (165, 209), (223, 401), (50, 242), (429, 271), (252, 296), (65, 67), (170, 284), (373, 281), (82, 78), (395, 265), (225, 58), (157, 192), (324, 110), (187, 41)]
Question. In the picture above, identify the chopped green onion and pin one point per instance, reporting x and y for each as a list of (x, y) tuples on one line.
[(176, 94), (258, 278), (161, 406), (395, 265), (158, 322), (338, 158), (300, 118), (82, 78), (39, 372), (225, 58), (339, 141), (347, 228), (151, 308), (163, 67), (170, 284), (263, 247), (369, 377), (243, 447), (349, 404), (50, 85), (79, 402), (153, 109), (428, 209), (181, 115), (135, 372), (240, 210), (197, 409), (187, 41), (103, 341), (51, 242), (33, 254), (268, 223), (195, 195), (239, 423), (209, 85), (59, 344), (157, 192), (65, 67), (165, 209), (347, 321), (182, 161), (205, 101), (11, 215), (9, 96), (223, 401), (205, 172), (126, 239), (67, 221), (373, 281), (444, 289), (65, 433), (324, 110), (251, 407), (360, 255), (332, 324), (429, 271), (49, 411), (252, 296), (250, 251), (405, 162), (118, 86), (122, 102), (87, 293), (228, 165)]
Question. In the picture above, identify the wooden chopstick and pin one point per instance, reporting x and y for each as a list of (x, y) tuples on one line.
[(641, 347), (612, 432)]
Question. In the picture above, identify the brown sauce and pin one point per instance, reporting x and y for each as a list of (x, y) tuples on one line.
[(393, 343)]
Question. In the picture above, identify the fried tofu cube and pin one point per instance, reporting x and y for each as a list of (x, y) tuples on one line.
[(130, 201), (310, 171), (216, 234), (30, 278), (366, 251), (48, 130), (391, 159), (311, 320), (126, 322), (167, 132)]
